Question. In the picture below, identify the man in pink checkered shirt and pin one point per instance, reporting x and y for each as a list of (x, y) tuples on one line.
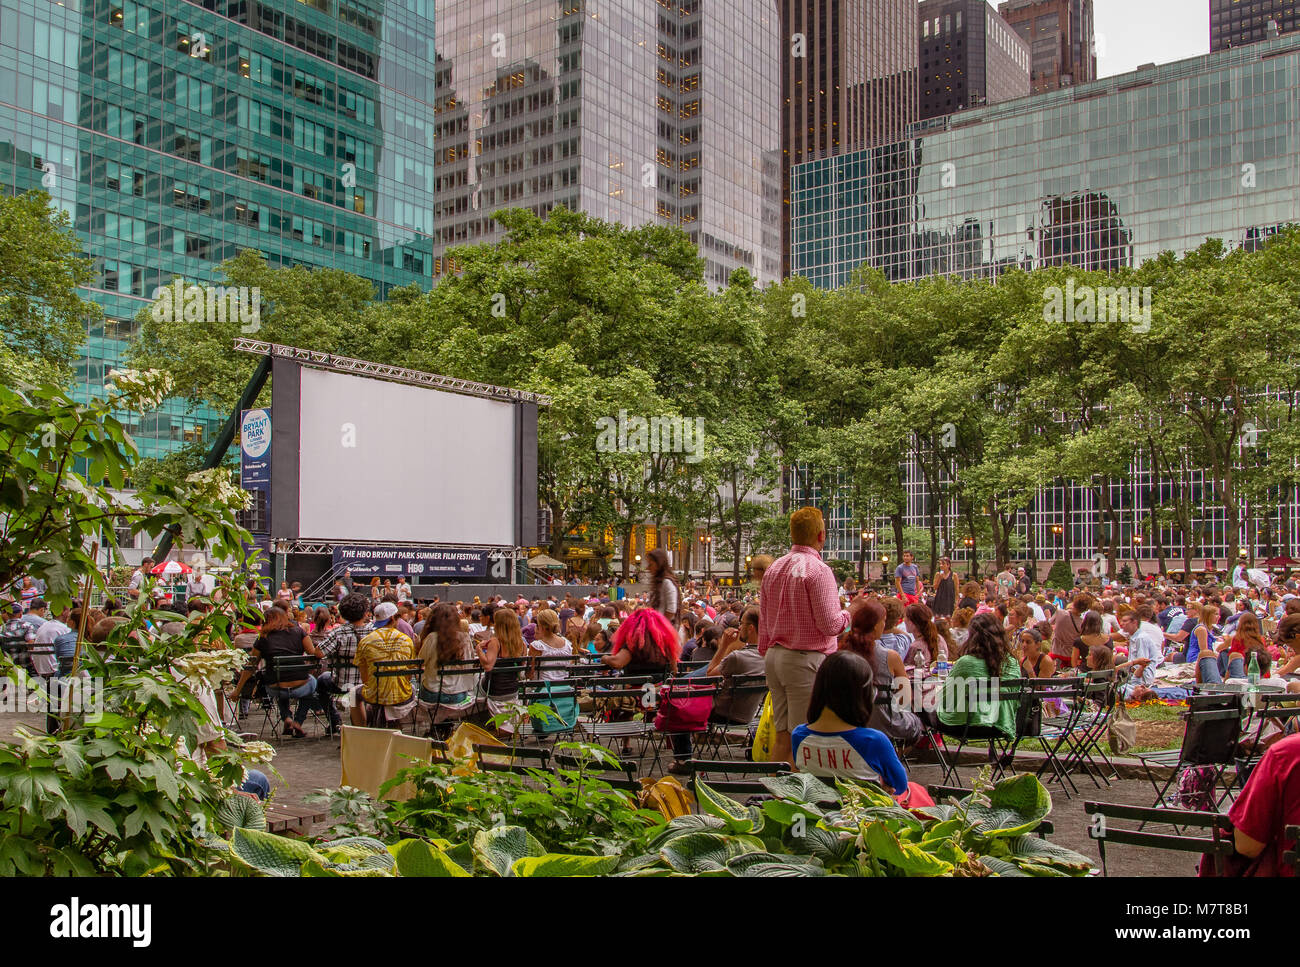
[(801, 623)]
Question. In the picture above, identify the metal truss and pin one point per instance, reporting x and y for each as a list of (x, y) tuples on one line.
[(393, 374), (292, 546)]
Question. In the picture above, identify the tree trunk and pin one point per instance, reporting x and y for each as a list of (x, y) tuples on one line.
[(628, 531)]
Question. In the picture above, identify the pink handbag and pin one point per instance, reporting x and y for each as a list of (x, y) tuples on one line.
[(680, 711)]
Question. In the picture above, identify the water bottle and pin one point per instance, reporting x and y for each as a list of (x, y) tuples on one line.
[(941, 669), (1252, 673)]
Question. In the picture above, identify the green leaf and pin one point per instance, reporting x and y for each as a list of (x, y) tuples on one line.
[(638, 862), (736, 816), (1032, 849), (706, 852), (909, 858), (738, 864), (784, 812), (1002, 867), (690, 823), (828, 846), (498, 848), (783, 869), (1016, 805), (272, 855), (799, 787), (355, 853), (415, 857), (560, 864), (241, 812)]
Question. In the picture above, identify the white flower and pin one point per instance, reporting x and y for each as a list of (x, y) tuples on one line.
[(258, 752), (210, 668), (215, 486), (140, 390)]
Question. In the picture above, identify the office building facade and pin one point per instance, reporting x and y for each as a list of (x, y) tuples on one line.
[(848, 81), (1061, 38), (969, 57), (178, 134), (1237, 22), (1103, 176), (631, 111)]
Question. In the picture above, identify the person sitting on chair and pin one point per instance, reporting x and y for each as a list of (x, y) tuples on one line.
[(969, 696), (385, 643), (450, 696), (280, 637), (1268, 804), (836, 742)]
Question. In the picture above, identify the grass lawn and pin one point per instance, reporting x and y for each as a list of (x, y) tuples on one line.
[(1157, 712), (1160, 727)]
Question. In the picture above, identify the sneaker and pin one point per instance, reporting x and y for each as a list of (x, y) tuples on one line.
[(679, 768)]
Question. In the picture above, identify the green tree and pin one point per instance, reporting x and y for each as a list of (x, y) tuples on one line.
[(43, 319)]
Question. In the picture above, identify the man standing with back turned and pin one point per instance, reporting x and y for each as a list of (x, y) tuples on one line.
[(801, 621)]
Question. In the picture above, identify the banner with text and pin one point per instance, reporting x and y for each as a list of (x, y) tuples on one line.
[(414, 562)]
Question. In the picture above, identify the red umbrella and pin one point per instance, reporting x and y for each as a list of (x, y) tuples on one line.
[(170, 567), (1282, 561)]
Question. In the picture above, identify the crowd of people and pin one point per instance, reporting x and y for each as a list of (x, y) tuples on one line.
[(842, 668)]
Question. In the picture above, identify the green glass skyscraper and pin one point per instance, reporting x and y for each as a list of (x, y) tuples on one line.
[(177, 134)]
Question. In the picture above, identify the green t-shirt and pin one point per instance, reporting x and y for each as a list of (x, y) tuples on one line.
[(967, 696)]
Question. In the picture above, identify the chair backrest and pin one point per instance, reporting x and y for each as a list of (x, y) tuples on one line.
[(1212, 731), (292, 667), (736, 778), (567, 760), (551, 663), (1292, 855), (398, 668), (521, 759), (1102, 828), (455, 669), (1276, 706)]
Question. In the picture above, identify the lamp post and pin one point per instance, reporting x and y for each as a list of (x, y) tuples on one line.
[(970, 560), (863, 573), (706, 541)]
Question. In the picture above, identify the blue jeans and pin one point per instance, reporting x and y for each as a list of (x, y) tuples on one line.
[(304, 693), (257, 784), (1232, 666), (1208, 665)]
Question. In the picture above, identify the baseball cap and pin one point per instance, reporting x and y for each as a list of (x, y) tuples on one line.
[(384, 613)]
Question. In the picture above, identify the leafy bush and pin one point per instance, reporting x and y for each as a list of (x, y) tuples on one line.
[(571, 809), (1059, 576), (807, 829), (112, 794)]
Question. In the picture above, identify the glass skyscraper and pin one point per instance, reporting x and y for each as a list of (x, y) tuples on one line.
[(177, 134), (1102, 176), (632, 111)]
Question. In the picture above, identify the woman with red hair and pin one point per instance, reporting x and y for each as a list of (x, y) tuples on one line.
[(645, 644)]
